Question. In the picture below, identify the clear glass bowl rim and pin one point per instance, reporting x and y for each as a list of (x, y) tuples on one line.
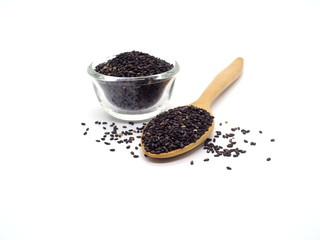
[(161, 76)]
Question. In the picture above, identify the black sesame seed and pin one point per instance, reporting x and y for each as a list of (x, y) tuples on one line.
[(112, 149), (268, 159), (191, 162), (229, 168), (206, 159), (245, 131)]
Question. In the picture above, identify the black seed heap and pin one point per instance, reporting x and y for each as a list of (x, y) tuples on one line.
[(134, 94), (175, 129), (133, 64)]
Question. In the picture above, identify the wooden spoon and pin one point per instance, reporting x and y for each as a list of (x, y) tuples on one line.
[(223, 80)]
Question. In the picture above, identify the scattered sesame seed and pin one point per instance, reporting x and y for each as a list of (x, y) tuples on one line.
[(225, 146)]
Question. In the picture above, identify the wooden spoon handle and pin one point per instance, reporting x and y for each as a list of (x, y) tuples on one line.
[(223, 80)]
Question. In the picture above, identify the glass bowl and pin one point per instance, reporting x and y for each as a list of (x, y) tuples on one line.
[(133, 98)]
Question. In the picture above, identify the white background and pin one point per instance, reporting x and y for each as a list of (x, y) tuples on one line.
[(57, 184)]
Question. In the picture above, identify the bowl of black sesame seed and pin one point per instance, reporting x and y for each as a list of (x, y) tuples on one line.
[(133, 85)]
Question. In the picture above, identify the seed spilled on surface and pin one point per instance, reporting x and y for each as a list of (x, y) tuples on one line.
[(113, 138), (222, 144), (226, 146)]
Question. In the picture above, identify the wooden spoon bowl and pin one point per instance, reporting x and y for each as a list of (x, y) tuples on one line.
[(223, 80)]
